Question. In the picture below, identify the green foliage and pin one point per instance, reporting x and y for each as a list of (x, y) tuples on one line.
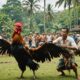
[(6, 25), (33, 18), (31, 6), (13, 8)]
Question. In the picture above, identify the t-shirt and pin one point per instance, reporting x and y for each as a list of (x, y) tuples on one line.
[(68, 42)]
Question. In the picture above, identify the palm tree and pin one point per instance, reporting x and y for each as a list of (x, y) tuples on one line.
[(31, 6), (49, 17), (49, 12), (69, 4)]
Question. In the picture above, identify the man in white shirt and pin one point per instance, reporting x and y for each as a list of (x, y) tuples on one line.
[(67, 42)]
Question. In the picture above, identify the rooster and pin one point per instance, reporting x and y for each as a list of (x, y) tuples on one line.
[(29, 56)]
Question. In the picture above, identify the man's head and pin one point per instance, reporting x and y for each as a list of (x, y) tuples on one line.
[(64, 32)]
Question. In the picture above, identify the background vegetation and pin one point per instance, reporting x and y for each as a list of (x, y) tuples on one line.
[(29, 12)]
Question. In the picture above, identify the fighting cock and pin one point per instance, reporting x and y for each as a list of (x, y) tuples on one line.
[(29, 57)]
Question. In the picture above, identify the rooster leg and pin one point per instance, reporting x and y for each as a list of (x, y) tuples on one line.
[(22, 68), (34, 76), (22, 74)]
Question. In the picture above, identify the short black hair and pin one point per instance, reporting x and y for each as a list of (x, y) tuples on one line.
[(67, 29)]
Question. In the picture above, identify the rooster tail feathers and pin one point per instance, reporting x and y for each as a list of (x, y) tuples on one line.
[(32, 65)]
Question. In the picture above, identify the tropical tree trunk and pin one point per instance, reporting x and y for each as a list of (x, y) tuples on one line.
[(77, 13), (44, 15), (31, 16), (70, 20)]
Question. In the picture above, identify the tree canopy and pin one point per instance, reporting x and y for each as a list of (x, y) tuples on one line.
[(29, 12)]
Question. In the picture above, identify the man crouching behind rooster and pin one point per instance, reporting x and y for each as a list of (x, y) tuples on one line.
[(67, 42)]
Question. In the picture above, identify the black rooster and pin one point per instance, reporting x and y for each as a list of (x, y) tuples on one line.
[(25, 56)]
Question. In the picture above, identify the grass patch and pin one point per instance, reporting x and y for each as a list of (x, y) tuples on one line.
[(9, 70)]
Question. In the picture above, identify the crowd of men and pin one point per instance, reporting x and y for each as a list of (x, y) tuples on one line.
[(35, 39)]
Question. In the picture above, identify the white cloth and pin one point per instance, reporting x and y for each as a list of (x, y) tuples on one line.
[(49, 38), (0, 37)]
